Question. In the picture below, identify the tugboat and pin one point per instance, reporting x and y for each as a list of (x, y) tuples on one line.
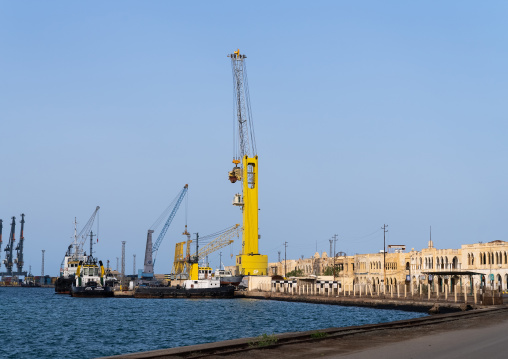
[(72, 257), (29, 280), (90, 281)]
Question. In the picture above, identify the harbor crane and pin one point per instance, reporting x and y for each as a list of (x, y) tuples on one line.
[(245, 170), (151, 250), (221, 239), (80, 239), (19, 249), (8, 261)]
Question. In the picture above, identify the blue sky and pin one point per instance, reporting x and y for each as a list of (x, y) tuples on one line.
[(365, 113)]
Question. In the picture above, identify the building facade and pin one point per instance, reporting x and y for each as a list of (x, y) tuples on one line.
[(478, 265)]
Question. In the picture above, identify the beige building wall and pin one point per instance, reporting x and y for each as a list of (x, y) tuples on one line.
[(446, 265)]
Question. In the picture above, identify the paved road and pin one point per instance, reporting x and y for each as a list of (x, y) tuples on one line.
[(486, 342)]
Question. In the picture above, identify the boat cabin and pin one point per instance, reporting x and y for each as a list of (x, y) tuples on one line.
[(204, 273)]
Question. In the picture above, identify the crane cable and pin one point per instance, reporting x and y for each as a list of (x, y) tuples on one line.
[(165, 213), (249, 110)]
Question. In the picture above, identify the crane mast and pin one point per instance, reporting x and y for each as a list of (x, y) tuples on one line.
[(245, 160), (19, 248)]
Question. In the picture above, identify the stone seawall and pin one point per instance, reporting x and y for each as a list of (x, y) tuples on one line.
[(433, 306)]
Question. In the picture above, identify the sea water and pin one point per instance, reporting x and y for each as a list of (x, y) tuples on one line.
[(37, 323)]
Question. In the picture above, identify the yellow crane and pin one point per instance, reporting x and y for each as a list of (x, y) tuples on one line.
[(245, 160), (184, 264)]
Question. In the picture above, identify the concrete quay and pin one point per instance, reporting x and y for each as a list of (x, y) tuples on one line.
[(432, 306), (453, 335)]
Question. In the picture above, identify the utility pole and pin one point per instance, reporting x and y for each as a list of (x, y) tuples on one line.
[(384, 256), (279, 255), (117, 263), (134, 265), (285, 267), (42, 269), (334, 253), (123, 264), (197, 247), (330, 253), (220, 260)]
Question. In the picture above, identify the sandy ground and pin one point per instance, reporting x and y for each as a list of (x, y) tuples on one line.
[(475, 337)]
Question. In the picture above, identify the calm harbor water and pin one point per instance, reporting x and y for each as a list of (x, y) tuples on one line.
[(36, 323)]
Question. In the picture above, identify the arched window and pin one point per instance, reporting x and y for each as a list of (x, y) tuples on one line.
[(455, 263), (472, 259)]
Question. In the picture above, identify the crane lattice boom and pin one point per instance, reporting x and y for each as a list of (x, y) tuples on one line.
[(243, 115), (84, 234), (221, 241)]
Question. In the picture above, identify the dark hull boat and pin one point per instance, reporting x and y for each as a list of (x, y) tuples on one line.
[(63, 285), (92, 291), (181, 292)]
